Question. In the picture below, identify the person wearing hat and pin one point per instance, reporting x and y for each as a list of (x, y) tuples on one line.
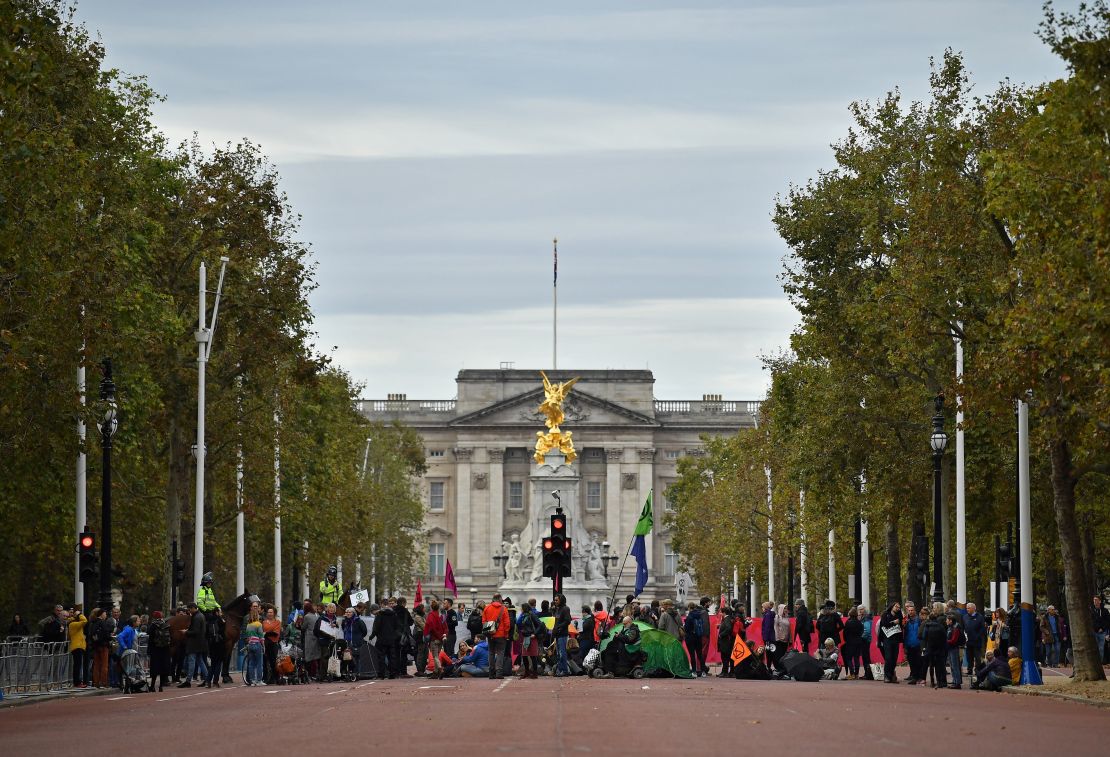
[(206, 598), (330, 590), (158, 647)]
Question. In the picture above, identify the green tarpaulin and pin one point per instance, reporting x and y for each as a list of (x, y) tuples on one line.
[(664, 652)]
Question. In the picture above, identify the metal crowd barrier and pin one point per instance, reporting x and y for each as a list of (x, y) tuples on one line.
[(34, 666)]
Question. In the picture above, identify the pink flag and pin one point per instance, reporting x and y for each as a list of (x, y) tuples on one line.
[(449, 581), (419, 599)]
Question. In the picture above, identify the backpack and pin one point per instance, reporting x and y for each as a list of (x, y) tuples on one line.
[(601, 626), (699, 623), (528, 623), (159, 634), (474, 623)]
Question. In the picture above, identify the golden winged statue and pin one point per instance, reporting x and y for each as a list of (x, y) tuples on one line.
[(552, 409)]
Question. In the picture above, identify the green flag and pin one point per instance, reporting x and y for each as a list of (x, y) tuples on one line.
[(644, 525)]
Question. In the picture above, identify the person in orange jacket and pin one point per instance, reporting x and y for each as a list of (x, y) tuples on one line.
[(495, 624)]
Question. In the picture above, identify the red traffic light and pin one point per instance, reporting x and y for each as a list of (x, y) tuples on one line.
[(86, 541), (548, 544), (557, 523)]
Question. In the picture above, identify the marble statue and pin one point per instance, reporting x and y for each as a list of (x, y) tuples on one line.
[(537, 562), (514, 565), (595, 567)]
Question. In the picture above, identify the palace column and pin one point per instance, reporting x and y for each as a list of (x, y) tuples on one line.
[(463, 512), (496, 498), (613, 457)]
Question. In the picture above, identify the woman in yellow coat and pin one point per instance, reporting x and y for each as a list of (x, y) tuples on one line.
[(77, 623)]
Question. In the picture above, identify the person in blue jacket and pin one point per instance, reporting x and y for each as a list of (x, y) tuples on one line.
[(476, 662)]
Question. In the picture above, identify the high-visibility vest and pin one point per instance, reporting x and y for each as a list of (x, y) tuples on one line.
[(206, 599), (330, 592)]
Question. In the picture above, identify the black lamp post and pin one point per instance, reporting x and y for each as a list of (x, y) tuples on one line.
[(608, 557), (938, 441), (107, 429)]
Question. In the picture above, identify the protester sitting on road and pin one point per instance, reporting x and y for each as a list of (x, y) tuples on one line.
[(1014, 660), (993, 674), (827, 658), (476, 660)]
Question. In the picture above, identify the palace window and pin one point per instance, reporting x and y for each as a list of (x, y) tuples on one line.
[(435, 453), (437, 557), (435, 495), (593, 495), (670, 560), (674, 454), (516, 495)]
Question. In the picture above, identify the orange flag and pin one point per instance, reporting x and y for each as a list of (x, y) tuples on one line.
[(740, 651)]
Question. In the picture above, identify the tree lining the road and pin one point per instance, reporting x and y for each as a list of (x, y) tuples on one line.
[(102, 229), (983, 217)]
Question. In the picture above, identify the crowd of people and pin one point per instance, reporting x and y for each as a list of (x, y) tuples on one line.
[(941, 644)]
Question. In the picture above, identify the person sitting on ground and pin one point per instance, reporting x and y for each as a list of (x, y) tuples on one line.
[(751, 668), (476, 660), (827, 657), (993, 674), (1014, 660)]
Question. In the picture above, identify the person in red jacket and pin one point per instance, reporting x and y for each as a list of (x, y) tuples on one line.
[(435, 631), (498, 634)]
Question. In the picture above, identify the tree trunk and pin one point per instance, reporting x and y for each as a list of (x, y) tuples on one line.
[(893, 561), (915, 590), (1086, 659)]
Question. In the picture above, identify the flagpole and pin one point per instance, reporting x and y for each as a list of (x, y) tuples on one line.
[(616, 584), (555, 307)]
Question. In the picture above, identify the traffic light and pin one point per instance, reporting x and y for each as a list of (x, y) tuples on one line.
[(1004, 558), (557, 548), (87, 560), (178, 572)]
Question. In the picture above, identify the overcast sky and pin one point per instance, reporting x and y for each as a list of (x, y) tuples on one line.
[(435, 148)]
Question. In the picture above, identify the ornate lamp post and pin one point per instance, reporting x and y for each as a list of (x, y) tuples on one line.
[(608, 557), (107, 429), (938, 441)]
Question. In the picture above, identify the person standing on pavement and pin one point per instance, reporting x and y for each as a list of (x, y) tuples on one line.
[(1054, 637), (99, 640), (935, 643), (435, 634), (829, 623), (474, 622), (387, 640), (495, 624), (867, 620), (528, 624), (976, 629), (256, 639), (1101, 618), (693, 628), (217, 648), (451, 619), (560, 632), (803, 624), (890, 632), (782, 634), (912, 642), (158, 648), (725, 640), (955, 640), (849, 652), (75, 630), (419, 618), (669, 621), (311, 643)]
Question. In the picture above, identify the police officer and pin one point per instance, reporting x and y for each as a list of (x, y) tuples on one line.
[(206, 598), (330, 590)]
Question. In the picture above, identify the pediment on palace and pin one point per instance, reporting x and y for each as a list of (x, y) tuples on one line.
[(581, 409)]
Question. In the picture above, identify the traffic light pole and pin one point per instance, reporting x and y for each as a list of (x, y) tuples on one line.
[(107, 428)]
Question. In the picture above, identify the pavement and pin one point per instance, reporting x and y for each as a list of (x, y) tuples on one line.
[(566, 716)]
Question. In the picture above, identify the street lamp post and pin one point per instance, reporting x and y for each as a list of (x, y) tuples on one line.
[(608, 557), (107, 429), (938, 441)]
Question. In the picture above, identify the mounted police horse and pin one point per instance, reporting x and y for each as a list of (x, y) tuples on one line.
[(234, 612)]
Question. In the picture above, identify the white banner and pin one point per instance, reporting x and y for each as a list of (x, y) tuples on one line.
[(682, 582), (360, 596)]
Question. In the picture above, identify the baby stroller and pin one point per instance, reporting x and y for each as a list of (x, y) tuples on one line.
[(134, 675), (341, 662), (285, 667)]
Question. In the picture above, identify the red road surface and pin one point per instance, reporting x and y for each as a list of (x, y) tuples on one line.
[(560, 716)]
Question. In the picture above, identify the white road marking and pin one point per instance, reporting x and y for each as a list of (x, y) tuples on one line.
[(337, 691), (365, 684), (116, 699), (276, 691), (504, 683), (437, 687)]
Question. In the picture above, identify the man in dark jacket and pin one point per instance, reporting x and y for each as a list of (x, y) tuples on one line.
[(803, 626), (829, 624), (976, 629), (405, 638), (196, 646), (1101, 617), (992, 675), (561, 631), (386, 636), (451, 618), (694, 627), (935, 642)]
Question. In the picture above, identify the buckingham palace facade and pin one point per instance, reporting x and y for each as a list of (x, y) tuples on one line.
[(484, 493)]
